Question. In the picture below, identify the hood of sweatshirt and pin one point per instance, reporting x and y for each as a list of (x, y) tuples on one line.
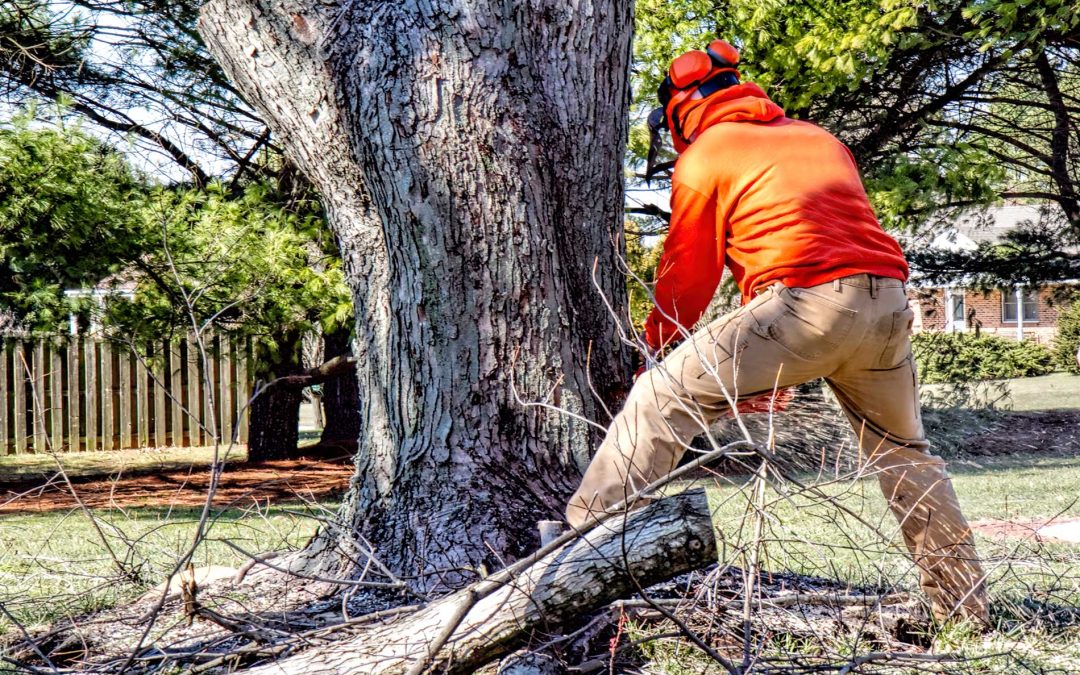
[(745, 102)]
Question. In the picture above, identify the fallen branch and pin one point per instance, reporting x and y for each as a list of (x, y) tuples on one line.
[(667, 538)]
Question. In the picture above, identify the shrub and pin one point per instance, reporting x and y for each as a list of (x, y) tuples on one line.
[(966, 357), (1068, 338)]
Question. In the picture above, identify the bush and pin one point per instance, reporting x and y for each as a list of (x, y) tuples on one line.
[(1068, 338), (966, 357)]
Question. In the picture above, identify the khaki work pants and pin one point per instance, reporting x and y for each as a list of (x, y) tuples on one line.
[(855, 333)]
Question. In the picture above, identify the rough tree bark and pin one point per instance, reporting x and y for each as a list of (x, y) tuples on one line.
[(469, 156), (341, 396), (273, 428), (273, 432)]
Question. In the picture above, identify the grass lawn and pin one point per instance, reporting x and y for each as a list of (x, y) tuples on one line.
[(808, 535), (1057, 391), (56, 564), (817, 539), (29, 466)]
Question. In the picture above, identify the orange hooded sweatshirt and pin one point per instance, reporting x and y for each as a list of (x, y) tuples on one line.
[(772, 198)]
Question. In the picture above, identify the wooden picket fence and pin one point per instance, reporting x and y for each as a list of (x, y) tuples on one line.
[(74, 394)]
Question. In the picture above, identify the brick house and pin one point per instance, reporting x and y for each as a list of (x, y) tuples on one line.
[(1023, 313)]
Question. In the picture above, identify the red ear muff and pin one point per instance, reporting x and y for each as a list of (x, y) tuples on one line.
[(723, 54), (694, 74), (690, 68)]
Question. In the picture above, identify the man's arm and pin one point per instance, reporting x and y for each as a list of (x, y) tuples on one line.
[(689, 269)]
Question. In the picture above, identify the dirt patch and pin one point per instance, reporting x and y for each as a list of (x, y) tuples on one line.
[(240, 485), (1036, 530), (1051, 432)]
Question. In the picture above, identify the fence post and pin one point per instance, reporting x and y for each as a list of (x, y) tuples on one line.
[(176, 393), (74, 437), (89, 359), (108, 428), (56, 396), (160, 362), (19, 376), (4, 449)]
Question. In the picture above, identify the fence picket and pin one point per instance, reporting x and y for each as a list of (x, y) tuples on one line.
[(77, 394), (243, 392), (38, 397), (108, 408), (19, 374), (227, 406), (4, 447), (127, 401), (56, 398), (142, 401), (176, 394), (160, 363), (193, 398), (74, 438), (90, 390), (211, 421)]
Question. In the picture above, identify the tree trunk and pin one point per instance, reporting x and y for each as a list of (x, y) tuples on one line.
[(469, 155), (341, 395), (273, 432), (274, 419)]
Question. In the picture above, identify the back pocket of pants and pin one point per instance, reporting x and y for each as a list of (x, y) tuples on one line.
[(803, 324), (898, 343)]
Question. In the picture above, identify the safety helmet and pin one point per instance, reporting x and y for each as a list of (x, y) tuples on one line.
[(695, 74)]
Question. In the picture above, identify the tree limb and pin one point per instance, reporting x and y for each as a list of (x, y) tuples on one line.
[(339, 365)]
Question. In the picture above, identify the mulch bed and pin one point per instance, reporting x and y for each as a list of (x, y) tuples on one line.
[(240, 485), (1050, 432)]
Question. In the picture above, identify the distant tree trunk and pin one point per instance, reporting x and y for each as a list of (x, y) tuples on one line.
[(341, 395), (274, 429), (469, 155), (274, 422)]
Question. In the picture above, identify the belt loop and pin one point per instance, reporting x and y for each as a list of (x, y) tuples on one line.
[(836, 285), (873, 285)]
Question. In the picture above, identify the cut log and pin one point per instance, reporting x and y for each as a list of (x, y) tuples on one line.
[(495, 616)]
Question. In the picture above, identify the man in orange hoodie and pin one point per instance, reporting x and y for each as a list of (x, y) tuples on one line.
[(780, 202)]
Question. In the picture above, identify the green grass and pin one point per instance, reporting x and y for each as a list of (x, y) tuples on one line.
[(861, 545), (28, 466), (55, 564), (1058, 391), (810, 535)]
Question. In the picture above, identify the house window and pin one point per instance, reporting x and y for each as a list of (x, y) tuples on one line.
[(958, 310), (955, 310), (1029, 300)]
